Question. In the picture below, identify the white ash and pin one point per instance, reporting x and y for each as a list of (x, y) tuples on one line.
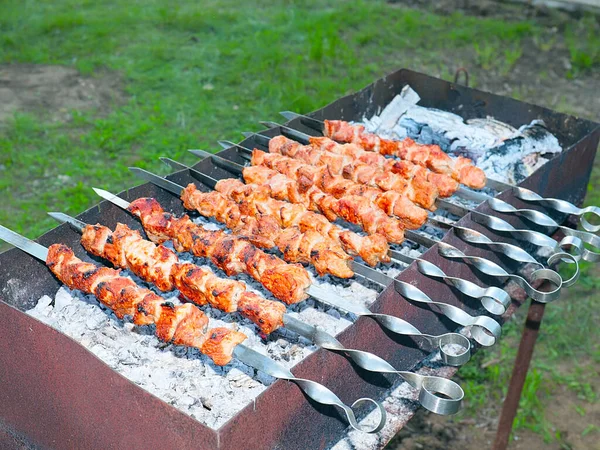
[(505, 153)]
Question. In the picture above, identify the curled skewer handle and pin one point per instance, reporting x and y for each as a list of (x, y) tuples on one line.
[(437, 394), (563, 256), (511, 251), (402, 327), (442, 342), (492, 269), (584, 237), (484, 330), (575, 247), (493, 299), (561, 206), (314, 390), (545, 221)]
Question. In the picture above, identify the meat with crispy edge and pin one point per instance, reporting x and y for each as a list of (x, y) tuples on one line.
[(343, 161), (373, 249), (288, 282), (430, 156), (354, 208), (393, 203), (196, 284), (180, 325), (309, 247), (419, 176)]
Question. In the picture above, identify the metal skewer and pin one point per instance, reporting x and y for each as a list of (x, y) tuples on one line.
[(561, 206), (485, 330), (509, 250), (474, 237), (495, 204), (391, 323), (246, 355), (493, 299), (527, 195), (431, 386)]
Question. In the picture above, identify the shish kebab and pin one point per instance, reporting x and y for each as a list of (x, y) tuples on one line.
[(322, 153), (177, 324), (484, 329), (323, 147), (401, 202), (345, 132), (293, 168), (334, 161), (127, 249), (419, 184), (185, 235), (494, 299)]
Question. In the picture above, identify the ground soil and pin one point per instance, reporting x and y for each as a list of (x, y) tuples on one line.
[(55, 91)]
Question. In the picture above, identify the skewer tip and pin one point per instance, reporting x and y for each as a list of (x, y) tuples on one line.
[(226, 144), (202, 153), (289, 114), (61, 217)]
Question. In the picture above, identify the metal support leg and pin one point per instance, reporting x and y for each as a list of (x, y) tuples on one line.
[(517, 380)]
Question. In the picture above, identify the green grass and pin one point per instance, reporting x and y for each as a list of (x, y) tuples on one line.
[(194, 72)]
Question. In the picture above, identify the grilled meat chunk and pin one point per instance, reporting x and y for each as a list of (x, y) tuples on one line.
[(288, 282), (324, 254), (180, 325), (430, 156)]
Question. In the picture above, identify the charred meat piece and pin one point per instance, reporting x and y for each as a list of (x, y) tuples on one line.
[(233, 255), (323, 253), (180, 325), (430, 156)]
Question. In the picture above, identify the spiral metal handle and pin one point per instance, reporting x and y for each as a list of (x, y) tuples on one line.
[(561, 206), (403, 328), (492, 269), (493, 299), (484, 330), (571, 247), (546, 221), (475, 237), (314, 390), (439, 395), (519, 255)]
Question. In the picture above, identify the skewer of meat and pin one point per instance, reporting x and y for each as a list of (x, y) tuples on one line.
[(418, 175), (269, 195), (417, 190), (287, 282), (411, 172), (127, 249), (431, 156), (187, 325), (397, 207), (310, 247), (354, 209)]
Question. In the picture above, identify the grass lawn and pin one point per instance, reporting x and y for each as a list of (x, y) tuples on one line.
[(194, 72)]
